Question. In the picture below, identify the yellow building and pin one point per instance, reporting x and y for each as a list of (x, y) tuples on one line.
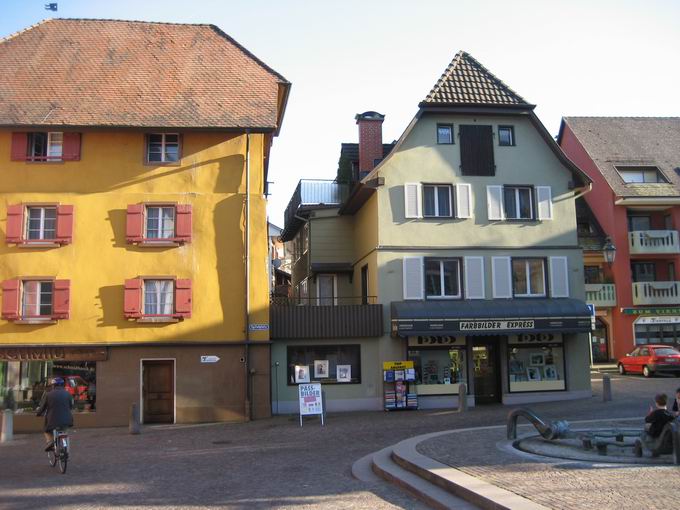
[(134, 159)]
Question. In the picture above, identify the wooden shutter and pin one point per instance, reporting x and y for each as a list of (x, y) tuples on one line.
[(559, 277), (501, 274), (14, 231), (183, 298), (476, 150), (463, 201), (494, 203), (134, 231), (65, 224), (413, 207), (61, 299), (183, 223), (132, 307), (71, 149), (11, 290), (474, 278), (19, 150), (544, 202), (413, 278)]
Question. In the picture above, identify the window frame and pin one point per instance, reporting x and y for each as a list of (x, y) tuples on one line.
[(40, 282), (27, 223), (334, 278), (511, 129), (436, 200), (660, 176), (442, 296), (160, 207), (527, 260), (158, 303), (163, 160), (31, 156), (451, 137), (338, 347), (532, 201)]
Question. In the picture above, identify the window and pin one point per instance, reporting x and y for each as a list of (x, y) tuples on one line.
[(536, 367), (364, 285), (641, 174), (437, 201), (45, 146), (326, 289), (36, 298), (439, 371), (303, 292), (593, 274), (158, 297), (162, 148), (160, 222), (528, 277), (342, 363), (506, 136), (444, 134), (41, 223), (518, 202), (643, 271), (442, 278), (639, 222)]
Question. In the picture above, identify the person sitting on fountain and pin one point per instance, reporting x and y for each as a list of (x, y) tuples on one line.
[(658, 416), (675, 408)]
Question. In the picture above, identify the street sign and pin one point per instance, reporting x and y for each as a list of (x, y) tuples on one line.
[(209, 359), (591, 307), (258, 327), (311, 400)]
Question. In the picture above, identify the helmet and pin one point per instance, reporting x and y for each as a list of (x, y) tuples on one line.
[(57, 381)]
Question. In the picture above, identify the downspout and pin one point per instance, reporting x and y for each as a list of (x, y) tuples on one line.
[(579, 192), (246, 364)]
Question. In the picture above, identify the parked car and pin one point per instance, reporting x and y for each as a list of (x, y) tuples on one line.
[(651, 359), (74, 384)]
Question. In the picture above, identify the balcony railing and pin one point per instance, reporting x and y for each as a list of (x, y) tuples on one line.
[(653, 241), (656, 293), (601, 294), (315, 192)]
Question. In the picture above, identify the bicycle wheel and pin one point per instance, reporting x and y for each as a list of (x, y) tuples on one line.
[(52, 457), (63, 461)]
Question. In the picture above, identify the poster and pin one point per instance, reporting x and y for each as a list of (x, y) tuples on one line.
[(301, 374), (320, 368), (310, 399), (344, 373)]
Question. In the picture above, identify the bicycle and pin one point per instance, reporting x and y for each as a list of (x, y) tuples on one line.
[(58, 454)]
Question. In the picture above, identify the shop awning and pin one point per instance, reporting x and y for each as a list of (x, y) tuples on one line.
[(490, 317)]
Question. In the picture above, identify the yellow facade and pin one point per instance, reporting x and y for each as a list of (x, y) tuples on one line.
[(110, 175)]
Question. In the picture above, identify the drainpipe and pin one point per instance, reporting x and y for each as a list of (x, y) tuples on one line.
[(579, 192), (246, 364)]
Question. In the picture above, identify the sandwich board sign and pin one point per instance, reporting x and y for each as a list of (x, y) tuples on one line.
[(311, 400)]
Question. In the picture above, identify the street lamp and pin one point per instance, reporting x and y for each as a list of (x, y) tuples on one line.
[(609, 251)]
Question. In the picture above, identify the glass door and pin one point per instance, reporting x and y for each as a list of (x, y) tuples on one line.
[(487, 376)]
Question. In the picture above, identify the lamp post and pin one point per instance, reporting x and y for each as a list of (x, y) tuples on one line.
[(609, 251)]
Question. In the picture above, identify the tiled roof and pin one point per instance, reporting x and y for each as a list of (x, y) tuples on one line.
[(467, 82), (78, 72), (350, 151), (632, 141)]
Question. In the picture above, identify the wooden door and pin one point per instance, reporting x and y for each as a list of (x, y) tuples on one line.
[(158, 391)]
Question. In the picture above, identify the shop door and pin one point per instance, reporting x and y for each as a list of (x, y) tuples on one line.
[(487, 374), (599, 342), (158, 391)]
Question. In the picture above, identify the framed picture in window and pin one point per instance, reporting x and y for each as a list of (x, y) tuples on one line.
[(536, 359), (320, 368), (344, 373), (533, 373), (550, 373), (302, 373)]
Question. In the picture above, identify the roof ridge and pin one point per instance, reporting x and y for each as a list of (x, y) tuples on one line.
[(19, 32)]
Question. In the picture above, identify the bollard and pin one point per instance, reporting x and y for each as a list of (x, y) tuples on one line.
[(462, 398), (606, 388), (134, 420), (7, 432)]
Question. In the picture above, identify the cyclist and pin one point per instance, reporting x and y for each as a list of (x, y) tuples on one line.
[(56, 405)]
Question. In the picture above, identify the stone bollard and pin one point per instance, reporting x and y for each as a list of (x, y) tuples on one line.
[(134, 420), (7, 432), (606, 388), (462, 398)]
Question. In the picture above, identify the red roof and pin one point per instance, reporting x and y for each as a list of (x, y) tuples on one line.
[(78, 72)]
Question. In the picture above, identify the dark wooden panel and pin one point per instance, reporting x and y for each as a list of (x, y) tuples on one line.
[(158, 391), (476, 150), (342, 321)]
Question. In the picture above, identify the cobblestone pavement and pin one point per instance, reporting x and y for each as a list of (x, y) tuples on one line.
[(268, 463)]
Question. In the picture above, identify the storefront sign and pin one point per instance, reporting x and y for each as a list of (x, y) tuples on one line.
[(658, 320), (397, 365), (453, 327), (495, 325), (311, 400), (651, 311), (435, 341), (53, 354), (535, 338), (210, 359)]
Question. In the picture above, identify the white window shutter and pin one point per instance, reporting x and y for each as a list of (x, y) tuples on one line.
[(559, 277), (494, 202), (544, 201), (413, 278), (463, 201), (501, 274), (412, 200), (474, 278)]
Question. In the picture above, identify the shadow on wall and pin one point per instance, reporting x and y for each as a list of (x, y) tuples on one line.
[(111, 307)]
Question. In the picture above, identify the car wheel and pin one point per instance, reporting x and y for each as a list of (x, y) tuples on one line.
[(622, 370), (647, 372)]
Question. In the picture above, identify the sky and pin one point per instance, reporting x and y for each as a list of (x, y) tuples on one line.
[(574, 57)]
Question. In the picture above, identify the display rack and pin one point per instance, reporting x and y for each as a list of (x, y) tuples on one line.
[(399, 385)]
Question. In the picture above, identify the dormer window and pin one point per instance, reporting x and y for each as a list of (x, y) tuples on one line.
[(641, 175)]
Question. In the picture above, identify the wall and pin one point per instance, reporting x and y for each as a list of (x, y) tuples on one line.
[(331, 237)]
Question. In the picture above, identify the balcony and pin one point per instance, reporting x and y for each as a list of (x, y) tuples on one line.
[(650, 242), (311, 192), (601, 294), (290, 321), (656, 293)]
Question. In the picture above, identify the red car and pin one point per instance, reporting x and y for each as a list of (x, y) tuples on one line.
[(651, 359)]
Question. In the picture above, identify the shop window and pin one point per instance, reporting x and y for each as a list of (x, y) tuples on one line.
[(662, 331), (328, 364), (22, 384), (536, 368), (439, 371), (528, 277)]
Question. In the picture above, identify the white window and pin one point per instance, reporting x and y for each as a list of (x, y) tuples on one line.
[(41, 223), (46, 146), (444, 134), (55, 145), (162, 148), (506, 136), (37, 298), (442, 278), (528, 277), (159, 297), (518, 202), (437, 200), (160, 222)]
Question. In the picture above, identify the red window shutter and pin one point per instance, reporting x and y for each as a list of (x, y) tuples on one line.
[(61, 299), (65, 224), (19, 146), (15, 223), (183, 298), (132, 307), (135, 223), (183, 223), (10, 299), (71, 150)]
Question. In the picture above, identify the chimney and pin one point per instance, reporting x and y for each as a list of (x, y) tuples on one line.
[(370, 140)]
